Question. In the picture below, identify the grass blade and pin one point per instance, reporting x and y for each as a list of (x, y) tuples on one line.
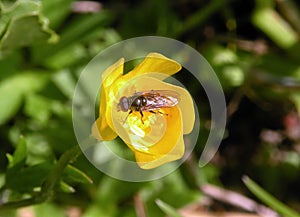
[(166, 208), (269, 199)]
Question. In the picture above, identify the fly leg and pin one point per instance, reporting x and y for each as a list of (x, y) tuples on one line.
[(127, 116), (142, 115), (158, 112)]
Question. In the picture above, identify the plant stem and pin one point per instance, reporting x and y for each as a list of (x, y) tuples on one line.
[(47, 188), (68, 157)]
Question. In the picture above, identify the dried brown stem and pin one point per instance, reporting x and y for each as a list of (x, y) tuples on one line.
[(237, 200), (139, 206)]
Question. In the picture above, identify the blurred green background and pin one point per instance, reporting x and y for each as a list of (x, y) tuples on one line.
[(254, 48)]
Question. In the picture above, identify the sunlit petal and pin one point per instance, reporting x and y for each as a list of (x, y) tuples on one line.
[(155, 62), (112, 73), (102, 129), (169, 148), (104, 133)]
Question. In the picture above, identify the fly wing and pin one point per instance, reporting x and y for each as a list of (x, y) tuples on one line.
[(157, 99)]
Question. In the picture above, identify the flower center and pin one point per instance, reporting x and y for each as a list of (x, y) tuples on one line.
[(140, 132), (147, 131)]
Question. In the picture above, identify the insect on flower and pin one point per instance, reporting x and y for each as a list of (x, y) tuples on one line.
[(155, 139), (148, 101)]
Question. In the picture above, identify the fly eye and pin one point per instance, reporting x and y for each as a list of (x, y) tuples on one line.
[(124, 104)]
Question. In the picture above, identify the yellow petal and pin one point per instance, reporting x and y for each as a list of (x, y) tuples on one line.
[(112, 73), (169, 148), (168, 142), (155, 62), (102, 128), (186, 106), (146, 161), (102, 131)]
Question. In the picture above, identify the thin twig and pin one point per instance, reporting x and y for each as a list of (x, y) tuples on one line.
[(235, 102), (139, 206)]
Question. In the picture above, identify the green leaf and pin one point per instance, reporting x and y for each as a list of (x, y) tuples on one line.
[(56, 11), (38, 107), (19, 157), (64, 187), (100, 210), (78, 29), (49, 209), (10, 102), (10, 65), (9, 212), (14, 88), (74, 175), (169, 210), (273, 25), (67, 56), (201, 16), (22, 24), (227, 64), (26, 179), (295, 97), (39, 149), (269, 199), (65, 82)]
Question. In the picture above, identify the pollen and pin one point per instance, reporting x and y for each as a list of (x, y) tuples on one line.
[(140, 126), (144, 132)]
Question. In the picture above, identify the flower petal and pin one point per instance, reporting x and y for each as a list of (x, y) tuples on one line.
[(169, 148), (102, 131), (155, 62), (102, 128), (170, 145), (159, 138), (186, 106), (112, 73)]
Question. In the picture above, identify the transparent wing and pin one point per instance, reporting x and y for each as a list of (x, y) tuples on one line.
[(157, 99)]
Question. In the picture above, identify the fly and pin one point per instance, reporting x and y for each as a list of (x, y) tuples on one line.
[(148, 101)]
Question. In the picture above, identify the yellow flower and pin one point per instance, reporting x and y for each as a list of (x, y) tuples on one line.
[(155, 138)]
